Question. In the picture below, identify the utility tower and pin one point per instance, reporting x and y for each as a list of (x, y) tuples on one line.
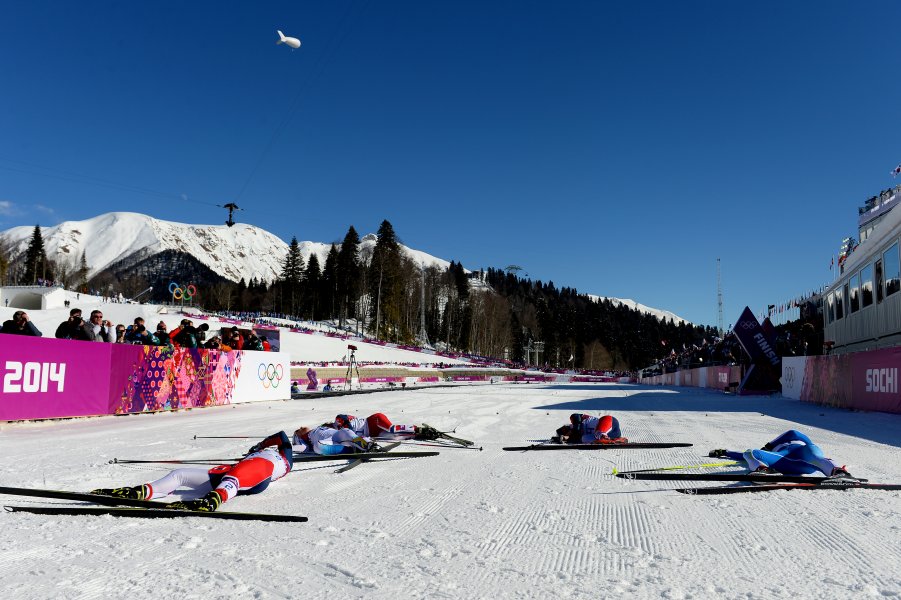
[(423, 338), (719, 299)]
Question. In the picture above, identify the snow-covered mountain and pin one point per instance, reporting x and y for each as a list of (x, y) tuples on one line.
[(241, 251), (232, 252)]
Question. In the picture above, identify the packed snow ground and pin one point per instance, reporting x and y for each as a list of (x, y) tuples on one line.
[(465, 524)]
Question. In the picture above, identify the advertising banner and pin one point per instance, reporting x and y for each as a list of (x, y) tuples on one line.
[(151, 378), (874, 376), (46, 378), (264, 376), (793, 376)]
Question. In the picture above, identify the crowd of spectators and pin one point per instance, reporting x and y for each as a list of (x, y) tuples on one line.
[(721, 351), (98, 329)]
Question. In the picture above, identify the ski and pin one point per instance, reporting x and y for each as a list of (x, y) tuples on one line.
[(358, 461), (848, 485), (598, 446), (362, 455), (298, 457), (82, 497), (152, 513), (755, 477)]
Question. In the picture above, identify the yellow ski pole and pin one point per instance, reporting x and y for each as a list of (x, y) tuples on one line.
[(679, 467)]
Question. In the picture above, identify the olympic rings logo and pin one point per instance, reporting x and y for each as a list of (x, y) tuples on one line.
[(748, 325), (178, 292), (790, 377), (271, 375)]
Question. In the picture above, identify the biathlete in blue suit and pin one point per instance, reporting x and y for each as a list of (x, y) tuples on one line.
[(792, 453)]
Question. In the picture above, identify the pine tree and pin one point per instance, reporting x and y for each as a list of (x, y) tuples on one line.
[(387, 286), (82, 272), (348, 274), (328, 290), (312, 279), (36, 263), (292, 275)]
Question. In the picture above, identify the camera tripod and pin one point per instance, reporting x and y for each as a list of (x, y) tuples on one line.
[(351, 368)]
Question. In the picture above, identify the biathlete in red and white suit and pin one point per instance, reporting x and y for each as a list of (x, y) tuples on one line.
[(375, 426), (594, 430), (267, 461)]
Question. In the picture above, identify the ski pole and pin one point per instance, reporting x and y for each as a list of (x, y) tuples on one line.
[(228, 437), (199, 461), (450, 446), (677, 467)]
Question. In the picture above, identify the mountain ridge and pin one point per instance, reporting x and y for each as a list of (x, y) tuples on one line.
[(242, 251)]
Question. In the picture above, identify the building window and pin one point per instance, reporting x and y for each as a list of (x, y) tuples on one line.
[(866, 286), (890, 270), (854, 286), (830, 307), (840, 302), (878, 284)]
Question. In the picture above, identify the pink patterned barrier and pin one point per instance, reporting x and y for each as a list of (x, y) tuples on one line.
[(48, 378)]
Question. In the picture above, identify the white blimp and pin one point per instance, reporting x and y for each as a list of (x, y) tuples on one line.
[(290, 41)]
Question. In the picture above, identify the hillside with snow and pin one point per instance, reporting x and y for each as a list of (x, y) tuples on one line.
[(242, 251), (663, 315)]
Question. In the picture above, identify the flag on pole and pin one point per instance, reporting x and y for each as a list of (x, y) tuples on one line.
[(896, 171)]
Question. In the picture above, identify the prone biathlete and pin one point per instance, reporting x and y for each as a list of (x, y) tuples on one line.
[(586, 429), (792, 453), (329, 440), (378, 425), (265, 462)]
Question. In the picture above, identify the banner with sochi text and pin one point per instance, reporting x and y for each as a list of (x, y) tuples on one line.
[(859, 380), (43, 378)]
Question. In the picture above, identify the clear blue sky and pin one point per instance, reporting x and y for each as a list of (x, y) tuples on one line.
[(616, 147)]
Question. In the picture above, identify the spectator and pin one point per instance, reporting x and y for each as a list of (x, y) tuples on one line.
[(185, 335), (253, 343), (201, 334), (136, 332), (73, 327), (235, 339), (266, 345), (162, 335), (120, 334), (20, 324), (98, 329), (215, 343), (295, 388)]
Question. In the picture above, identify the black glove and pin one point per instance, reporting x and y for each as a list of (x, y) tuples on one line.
[(255, 448), (424, 432)]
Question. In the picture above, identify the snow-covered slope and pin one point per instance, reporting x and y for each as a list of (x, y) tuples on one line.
[(660, 314)]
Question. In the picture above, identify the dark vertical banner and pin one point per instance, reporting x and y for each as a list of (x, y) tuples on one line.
[(759, 344), (755, 341)]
